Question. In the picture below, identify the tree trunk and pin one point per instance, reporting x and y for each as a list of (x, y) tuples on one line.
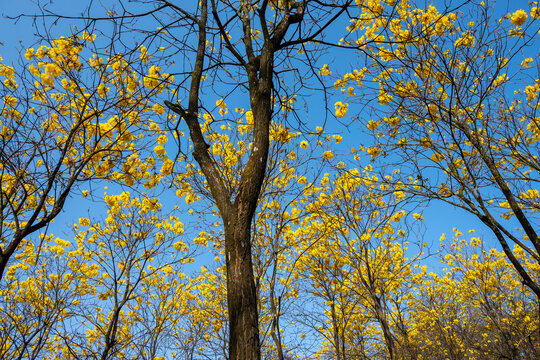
[(383, 321), (241, 293)]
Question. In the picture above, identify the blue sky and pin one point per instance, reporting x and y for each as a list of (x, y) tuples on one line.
[(439, 218)]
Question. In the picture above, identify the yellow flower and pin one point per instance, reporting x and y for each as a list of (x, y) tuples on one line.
[(167, 167), (162, 139), (341, 109), (159, 150), (400, 195), (327, 155), (393, 121), (425, 142), (221, 104), (325, 70), (374, 152), (372, 125), (10, 83), (526, 63), (29, 54), (444, 191), (102, 90), (10, 101), (144, 54), (466, 40), (89, 37), (436, 157), (53, 70), (158, 109), (190, 198), (535, 12), (249, 117), (403, 142), (304, 144), (530, 194), (384, 98), (519, 18)]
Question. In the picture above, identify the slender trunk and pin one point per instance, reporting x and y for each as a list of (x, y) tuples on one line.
[(275, 309), (388, 338), (337, 338)]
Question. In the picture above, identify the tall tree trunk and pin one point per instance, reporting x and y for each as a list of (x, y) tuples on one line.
[(241, 292)]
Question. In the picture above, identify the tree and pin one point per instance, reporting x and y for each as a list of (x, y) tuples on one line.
[(475, 307), (459, 123), (237, 206), (364, 277), (65, 121), (89, 298)]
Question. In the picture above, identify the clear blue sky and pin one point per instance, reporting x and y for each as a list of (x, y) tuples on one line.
[(17, 35)]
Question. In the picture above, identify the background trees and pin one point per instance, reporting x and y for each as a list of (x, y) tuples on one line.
[(68, 116), (90, 297), (475, 307), (458, 95)]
